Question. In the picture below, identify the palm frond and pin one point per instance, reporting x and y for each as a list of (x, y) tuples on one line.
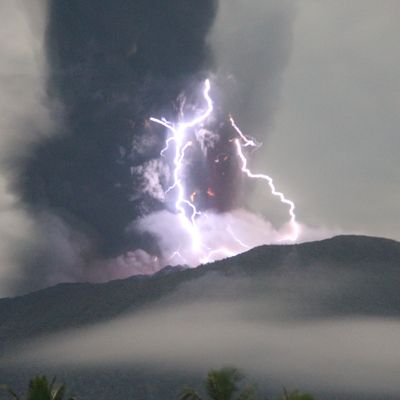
[(9, 391), (221, 384), (58, 394), (189, 394), (53, 381)]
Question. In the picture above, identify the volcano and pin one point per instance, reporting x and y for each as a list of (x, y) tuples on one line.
[(345, 278)]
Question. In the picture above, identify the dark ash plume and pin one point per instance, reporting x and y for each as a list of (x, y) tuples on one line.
[(113, 64)]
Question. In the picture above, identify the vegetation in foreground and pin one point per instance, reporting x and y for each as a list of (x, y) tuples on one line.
[(220, 384), (39, 388), (225, 384)]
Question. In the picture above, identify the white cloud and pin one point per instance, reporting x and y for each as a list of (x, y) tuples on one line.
[(220, 235)]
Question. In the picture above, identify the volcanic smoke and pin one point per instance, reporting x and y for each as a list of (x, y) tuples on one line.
[(180, 140)]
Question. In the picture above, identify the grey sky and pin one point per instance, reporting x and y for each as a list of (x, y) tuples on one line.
[(330, 108)]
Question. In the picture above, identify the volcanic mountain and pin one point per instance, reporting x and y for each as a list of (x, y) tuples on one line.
[(345, 278)]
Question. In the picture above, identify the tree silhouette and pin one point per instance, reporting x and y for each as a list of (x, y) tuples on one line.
[(221, 384), (40, 389)]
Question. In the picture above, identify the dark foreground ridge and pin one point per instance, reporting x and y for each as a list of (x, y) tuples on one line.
[(70, 305), (345, 276)]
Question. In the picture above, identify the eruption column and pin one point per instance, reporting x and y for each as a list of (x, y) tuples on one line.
[(179, 140), (179, 134)]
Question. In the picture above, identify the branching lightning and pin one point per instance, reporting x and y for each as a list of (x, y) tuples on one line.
[(180, 139), (295, 227)]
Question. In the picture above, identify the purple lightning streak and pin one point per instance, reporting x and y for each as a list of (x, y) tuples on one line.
[(247, 141), (210, 257), (295, 227), (179, 133), (236, 239), (175, 254)]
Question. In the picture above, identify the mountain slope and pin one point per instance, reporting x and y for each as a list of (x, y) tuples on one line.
[(343, 278), (377, 261)]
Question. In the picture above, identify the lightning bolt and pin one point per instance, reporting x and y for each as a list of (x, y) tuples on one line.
[(246, 140), (236, 239), (179, 135), (180, 140), (211, 256), (177, 254), (295, 227)]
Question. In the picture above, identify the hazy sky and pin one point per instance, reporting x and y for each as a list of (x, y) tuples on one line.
[(337, 128), (327, 87)]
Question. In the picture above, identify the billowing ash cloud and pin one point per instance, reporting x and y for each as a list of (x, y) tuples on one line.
[(112, 66), (88, 192), (99, 71)]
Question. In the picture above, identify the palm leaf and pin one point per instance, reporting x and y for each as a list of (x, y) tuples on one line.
[(189, 394), (221, 384), (58, 394), (53, 381), (39, 389), (9, 391)]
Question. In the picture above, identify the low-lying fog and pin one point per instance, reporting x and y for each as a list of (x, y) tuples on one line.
[(263, 327)]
